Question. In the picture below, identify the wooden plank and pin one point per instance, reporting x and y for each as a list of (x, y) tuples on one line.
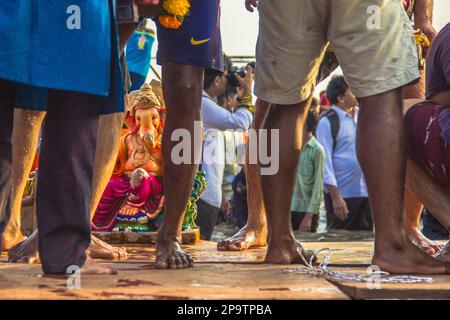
[(191, 237), (243, 276), (439, 289)]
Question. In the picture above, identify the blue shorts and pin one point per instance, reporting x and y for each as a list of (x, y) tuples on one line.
[(198, 41)]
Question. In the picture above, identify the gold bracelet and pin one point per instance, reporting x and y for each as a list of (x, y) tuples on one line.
[(250, 108)]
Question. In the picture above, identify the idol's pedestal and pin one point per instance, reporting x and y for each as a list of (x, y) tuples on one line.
[(188, 237)]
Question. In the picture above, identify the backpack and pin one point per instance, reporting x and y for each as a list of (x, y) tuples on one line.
[(334, 124)]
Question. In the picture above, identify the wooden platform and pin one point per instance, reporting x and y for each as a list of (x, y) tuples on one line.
[(216, 275), (191, 237)]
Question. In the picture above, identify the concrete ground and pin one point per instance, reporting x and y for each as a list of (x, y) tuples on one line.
[(216, 275)]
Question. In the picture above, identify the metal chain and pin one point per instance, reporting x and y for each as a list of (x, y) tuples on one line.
[(379, 276)]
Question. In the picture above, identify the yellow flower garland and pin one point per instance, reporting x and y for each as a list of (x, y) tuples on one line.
[(175, 11)]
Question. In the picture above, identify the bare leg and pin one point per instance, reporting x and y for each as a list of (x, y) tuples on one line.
[(254, 233), (27, 125), (289, 119), (413, 207), (182, 88), (413, 211), (382, 154), (431, 194)]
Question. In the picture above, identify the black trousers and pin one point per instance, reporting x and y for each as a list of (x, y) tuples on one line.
[(359, 217), (7, 93), (206, 218), (66, 166)]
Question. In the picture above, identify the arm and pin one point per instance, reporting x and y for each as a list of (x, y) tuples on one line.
[(325, 138), (423, 18), (217, 117), (323, 135)]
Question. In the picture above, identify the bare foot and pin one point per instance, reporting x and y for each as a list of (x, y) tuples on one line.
[(418, 239), (102, 250), (246, 238), (10, 240), (92, 267), (406, 258), (289, 251), (25, 251), (169, 255)]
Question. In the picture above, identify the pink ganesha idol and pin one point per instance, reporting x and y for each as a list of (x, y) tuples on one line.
[(134, 195)]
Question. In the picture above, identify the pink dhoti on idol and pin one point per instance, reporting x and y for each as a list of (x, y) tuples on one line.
[(133, 197), (125, 205)]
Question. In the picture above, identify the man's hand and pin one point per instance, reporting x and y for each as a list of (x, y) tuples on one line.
[(305, 226), (428, 29), (246, 83), (251, 4), (340, 208)]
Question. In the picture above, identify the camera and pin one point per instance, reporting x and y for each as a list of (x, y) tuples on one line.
[(242, 72)]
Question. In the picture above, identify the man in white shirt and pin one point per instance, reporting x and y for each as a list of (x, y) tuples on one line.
[(216, 119), (346, 197)]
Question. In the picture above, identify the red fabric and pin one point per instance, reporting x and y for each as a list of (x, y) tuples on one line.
[(425, 143), (324, 100)]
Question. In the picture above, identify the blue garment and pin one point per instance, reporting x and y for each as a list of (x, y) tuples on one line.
[(139, 50), (342, 168), (136, 81), (40, 52), (198, 41)]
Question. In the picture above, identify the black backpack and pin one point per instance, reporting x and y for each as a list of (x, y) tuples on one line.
[(334, 124)]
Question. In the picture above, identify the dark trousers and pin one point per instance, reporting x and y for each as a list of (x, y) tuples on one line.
[(136, 81), (359, 217), (66, 166), (206, 218), (7, 92), (432, 229), (297, 218)]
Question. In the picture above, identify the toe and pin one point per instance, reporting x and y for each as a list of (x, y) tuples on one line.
[(179, 262), (172, 263), (161, 264), (185, 261), (189, 259)]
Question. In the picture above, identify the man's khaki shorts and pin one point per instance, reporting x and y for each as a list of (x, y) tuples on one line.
[(372, 39)]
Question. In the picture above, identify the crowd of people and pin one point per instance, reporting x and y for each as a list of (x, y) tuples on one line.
[(373, 167)]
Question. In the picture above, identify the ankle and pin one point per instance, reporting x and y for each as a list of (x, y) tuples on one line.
[(412, 228), (167, 236)]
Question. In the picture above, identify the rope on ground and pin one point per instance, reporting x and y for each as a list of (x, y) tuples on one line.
[(373, 276)]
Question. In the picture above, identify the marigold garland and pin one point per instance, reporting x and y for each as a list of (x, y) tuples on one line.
[(174, 13)]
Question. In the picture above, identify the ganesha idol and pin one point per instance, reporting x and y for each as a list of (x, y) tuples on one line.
[(134, 195)]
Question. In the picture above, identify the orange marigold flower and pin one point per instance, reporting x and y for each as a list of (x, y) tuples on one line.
[(170, 22), (177, 7)]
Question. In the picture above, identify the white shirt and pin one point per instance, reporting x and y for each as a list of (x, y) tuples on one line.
[(342, 168), (215, 120)]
